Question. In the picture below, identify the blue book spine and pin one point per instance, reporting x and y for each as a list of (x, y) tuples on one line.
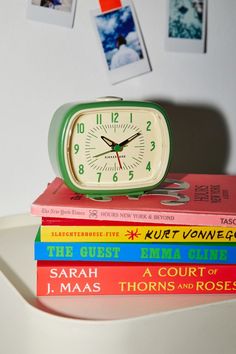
[(136, 252)]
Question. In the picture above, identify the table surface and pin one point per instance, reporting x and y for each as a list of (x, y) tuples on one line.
[(18, 283)]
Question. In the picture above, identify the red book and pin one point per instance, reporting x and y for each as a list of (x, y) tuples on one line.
[(185, 199), (93, 278), (50, 221)]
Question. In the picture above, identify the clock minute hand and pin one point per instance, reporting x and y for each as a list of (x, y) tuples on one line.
[(126, 141), (104, 153), (109, 142)]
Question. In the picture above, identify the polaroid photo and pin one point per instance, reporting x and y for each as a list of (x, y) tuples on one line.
[(58, 12), (121, 43), (186, 26)]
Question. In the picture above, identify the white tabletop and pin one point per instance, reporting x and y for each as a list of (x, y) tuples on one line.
[(101, 324)]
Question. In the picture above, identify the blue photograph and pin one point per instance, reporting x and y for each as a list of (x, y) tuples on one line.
[(186, 19), (119, 37)]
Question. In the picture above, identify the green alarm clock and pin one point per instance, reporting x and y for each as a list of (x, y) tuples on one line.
[(110, 147)]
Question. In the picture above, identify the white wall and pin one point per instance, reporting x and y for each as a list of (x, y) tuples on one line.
[(43, 66)]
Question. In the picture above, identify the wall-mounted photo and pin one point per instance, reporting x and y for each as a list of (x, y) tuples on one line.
[(186, 25), (58, 12), (121, 43)]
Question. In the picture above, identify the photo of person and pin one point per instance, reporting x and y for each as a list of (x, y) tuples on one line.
[(119, 37), (124, 54), (62, 5), (121, 42), (186, 19)]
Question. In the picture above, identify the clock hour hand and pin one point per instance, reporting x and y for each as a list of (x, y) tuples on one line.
[(109, 142), (126, 141)]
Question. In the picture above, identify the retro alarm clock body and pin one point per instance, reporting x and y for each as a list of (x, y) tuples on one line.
[(110, 147)]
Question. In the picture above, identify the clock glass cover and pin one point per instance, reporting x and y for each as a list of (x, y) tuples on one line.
[(113, 148)]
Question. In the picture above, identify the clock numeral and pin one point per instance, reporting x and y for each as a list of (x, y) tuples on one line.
[(114, 117), (99, 118), (80, 128), (99, 176), (153, 145), (149, 123), (131, 175), (115, 177), (148, 167), (76, 148), (131, 118), (81, 169)]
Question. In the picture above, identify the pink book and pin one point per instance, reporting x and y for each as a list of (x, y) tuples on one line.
[(184, 199)]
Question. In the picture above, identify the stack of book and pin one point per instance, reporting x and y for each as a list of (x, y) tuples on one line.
[(180, 238)]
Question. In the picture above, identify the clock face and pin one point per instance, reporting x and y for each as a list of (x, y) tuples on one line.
[(118, 148)]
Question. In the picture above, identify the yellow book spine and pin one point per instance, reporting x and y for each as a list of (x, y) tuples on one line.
[(137, 233)]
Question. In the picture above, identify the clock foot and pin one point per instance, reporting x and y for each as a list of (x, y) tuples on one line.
[(99, 198)]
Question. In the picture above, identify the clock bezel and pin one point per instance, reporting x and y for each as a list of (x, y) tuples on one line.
[(62, 120)]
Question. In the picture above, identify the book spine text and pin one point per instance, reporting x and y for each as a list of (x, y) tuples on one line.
[(76, 278), (137, 252), (137, 233), (162, 217)]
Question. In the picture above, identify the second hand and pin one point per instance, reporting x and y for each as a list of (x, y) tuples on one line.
[(118, 158)]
